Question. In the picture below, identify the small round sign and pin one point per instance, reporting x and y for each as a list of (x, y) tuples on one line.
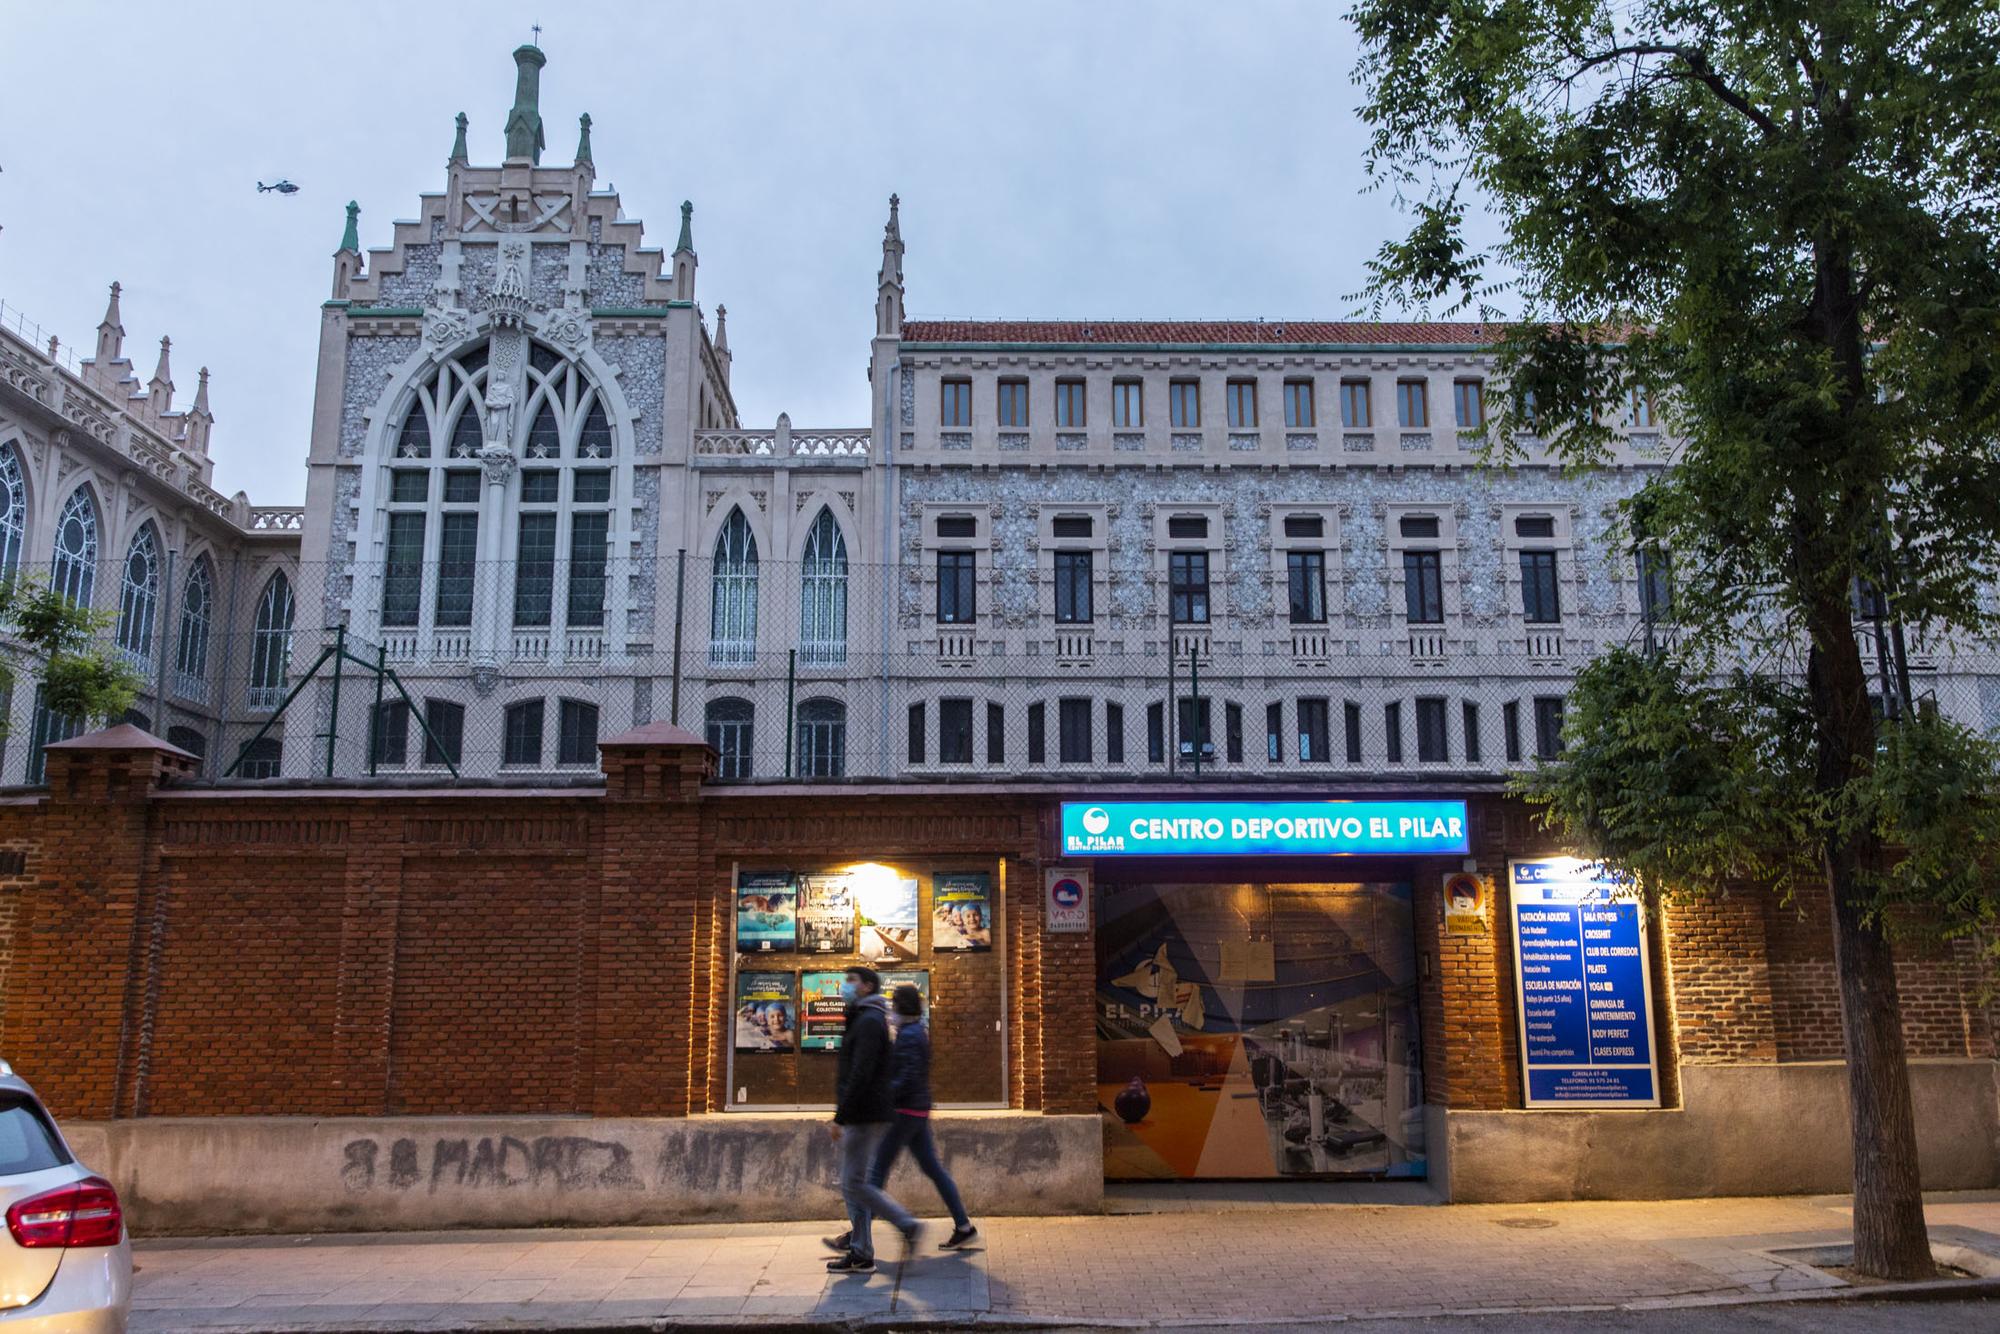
[(1066, 892)]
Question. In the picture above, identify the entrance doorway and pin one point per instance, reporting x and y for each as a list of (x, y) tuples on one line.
[(1258, 1031)]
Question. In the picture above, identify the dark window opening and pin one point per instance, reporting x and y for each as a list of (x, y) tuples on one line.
[(955, 731)]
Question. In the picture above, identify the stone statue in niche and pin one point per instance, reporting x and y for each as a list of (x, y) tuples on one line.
[(499, 412)]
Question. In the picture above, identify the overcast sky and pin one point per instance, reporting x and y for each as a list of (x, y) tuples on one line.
[(1179, 158)]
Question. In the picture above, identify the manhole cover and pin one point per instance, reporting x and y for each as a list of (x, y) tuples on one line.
[(1525, 1222)]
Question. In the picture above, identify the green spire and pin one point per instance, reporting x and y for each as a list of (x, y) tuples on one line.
[(583, 140), (458, 153), (524, 122), (351, 238), (687, 228)]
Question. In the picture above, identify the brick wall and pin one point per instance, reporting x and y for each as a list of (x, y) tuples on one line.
[(567, 951)]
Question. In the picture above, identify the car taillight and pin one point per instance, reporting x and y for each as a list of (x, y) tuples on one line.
[(83, 1213)]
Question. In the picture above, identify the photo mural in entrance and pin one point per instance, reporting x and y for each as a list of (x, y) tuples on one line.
[(1258, 1031)]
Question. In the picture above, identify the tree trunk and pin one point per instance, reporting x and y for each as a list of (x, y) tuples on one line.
[(1889, 1237)]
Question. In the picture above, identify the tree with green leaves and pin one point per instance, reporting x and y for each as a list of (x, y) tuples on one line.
[(48, 638), (1779, 220)]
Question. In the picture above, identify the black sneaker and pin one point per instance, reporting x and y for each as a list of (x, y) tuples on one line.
[(959, 1236), (838, 1245), (852, 1263)]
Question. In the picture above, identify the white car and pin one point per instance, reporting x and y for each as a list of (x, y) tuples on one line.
[(65, 1261)]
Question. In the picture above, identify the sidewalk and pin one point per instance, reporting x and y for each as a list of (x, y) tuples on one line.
[(1257, 1256)]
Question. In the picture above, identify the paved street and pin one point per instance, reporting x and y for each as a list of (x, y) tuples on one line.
[(1257, 1257)]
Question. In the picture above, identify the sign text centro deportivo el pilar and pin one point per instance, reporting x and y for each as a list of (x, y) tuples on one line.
[(1261, 828)]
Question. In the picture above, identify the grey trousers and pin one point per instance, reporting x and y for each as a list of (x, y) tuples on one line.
[(857, 1154)]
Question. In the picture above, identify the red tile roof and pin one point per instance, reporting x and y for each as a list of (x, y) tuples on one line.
[(1152, 332)]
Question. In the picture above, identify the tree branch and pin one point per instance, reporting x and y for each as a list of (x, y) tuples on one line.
[(1698, 65)]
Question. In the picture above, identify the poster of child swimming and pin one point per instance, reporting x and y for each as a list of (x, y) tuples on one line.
[(767, 912), (962, 913), (766, 1013)]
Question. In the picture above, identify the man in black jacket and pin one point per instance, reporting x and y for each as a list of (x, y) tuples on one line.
[(862, 1110)]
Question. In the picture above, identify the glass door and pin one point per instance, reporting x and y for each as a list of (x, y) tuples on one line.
[(1258, 1031)]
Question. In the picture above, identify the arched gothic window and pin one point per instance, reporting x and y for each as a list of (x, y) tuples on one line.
[(822, 738), (728, 722), (271, 645), (191, 643), (139, 596), (823, 595), (732, 628), (565, 494), (74, 569), (13, 512)]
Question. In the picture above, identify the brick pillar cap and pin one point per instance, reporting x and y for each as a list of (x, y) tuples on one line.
[(647, 734), (122, 737)]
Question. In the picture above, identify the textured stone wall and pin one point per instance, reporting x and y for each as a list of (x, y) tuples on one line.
[(609, 283), (370, 362), (641, 360), (421, 264)]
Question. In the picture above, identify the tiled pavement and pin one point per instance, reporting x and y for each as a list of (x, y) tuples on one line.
[(1254, 1256)]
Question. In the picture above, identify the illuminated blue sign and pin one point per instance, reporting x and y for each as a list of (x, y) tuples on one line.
[(1261, 828), (1585, 986)]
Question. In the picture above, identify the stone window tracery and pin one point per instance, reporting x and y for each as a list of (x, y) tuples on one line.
[(733, 610), (74, 567), (271, 645), (13, 512), (823, 595), (139, 597), (191, 644)]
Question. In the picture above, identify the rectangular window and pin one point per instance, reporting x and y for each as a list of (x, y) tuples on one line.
[(535, 569), (589, 552), (1070, 525), (1274, 733), (1193, 717), (1423, 526), (1423, 587), (1187, 525), (1114, 733), (1184, 403), (1540, 604), (1305, 578), (1128, 404), (1305, 525), (955, 588), (1232, 731), (1510, 727), (458, 550), (1413, 404), (403, 570), (1471, 721), (1038, 739), (592, 486), (1242, 404), (1357, 413), (523, 740), (1656, 584), (1312, 732), (446, 723), (1073, 601), (461, 486), (729, 732), (954, 731), (1392, 731), (996, 734), (1073, 731), (1432, 745), (1299, 404), (1640, 410), (1069, 404), (917, 733), (409, 486), (576, 732), (955, 403), (957, 525), (1014, 403), (1548, 726), (1468, 404), (391, 739), (1156, 733), (1187, 587), (1535, 525), (1351, 725), (540, 486)]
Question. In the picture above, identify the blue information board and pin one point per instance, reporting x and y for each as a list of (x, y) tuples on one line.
[(1586, 988), (1261, 828)]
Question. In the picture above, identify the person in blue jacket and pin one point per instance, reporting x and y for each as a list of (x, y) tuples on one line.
[(910, 1127)]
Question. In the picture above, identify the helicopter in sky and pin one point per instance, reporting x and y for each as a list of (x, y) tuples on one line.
[(282, 187)]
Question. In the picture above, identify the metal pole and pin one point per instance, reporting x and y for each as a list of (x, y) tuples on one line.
[(1194, 707), (1173, 721), (375, 718), (333, 714), (791, 684), (160, 670), (680, 608)]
